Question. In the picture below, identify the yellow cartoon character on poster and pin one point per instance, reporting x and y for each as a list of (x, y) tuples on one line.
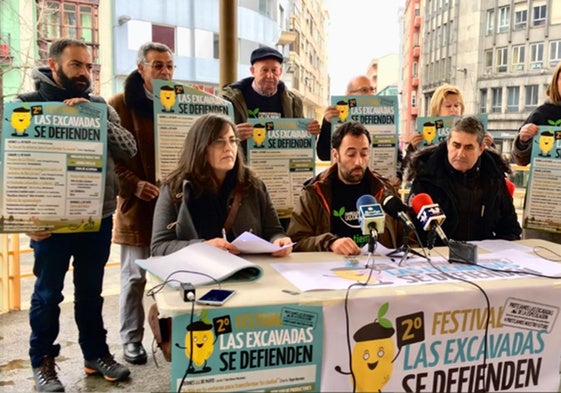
[(259, 135), (199, 346), (343, 108), (545, 142), (429, 132), (373, 354), (21, 119), (167, 98), (356, 274)]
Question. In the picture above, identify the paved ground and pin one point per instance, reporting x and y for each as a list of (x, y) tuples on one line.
[(15, 369)]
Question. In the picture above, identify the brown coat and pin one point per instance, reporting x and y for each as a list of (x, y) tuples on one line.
[(133, 218), (310, 225)]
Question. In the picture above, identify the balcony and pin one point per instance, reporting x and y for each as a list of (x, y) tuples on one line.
[(5, 57), (414, 111), (287, 37), (416, 51), (415, 81), (417, 22)]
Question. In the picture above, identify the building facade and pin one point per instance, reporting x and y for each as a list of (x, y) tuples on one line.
[(500, 53), (114, 30)]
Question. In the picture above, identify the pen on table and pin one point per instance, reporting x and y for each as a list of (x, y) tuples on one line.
[(224, 235), (290, 292)]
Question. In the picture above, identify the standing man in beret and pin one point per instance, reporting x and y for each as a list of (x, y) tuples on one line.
[(264, 95)]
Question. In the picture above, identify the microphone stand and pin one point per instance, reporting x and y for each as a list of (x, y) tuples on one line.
[(371, 245), (405, 248), (372, 241)]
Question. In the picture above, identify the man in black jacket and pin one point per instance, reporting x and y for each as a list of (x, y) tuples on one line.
[(467, 180)]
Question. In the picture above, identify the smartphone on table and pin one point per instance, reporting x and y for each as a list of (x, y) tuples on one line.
[(216, 297)]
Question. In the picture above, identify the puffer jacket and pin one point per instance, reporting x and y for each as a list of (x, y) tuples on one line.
[(133, 218), (120, 142), (495, 216), (310, 225)]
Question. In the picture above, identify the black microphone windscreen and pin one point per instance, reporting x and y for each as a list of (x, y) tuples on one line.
[(392, 205)]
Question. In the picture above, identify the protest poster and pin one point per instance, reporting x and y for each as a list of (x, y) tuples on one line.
[(176, 107), (281, 151), (53, 167)]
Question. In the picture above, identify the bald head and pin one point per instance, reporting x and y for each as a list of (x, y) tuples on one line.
[(360, 86)]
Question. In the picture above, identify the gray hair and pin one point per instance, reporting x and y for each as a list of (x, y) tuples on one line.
[(471, 125), (145, 48)]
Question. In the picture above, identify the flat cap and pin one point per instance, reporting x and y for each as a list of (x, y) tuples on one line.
[(265, 53)]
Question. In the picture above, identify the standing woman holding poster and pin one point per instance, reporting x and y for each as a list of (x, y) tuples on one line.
[(546, 114), (212, 196), (447, 100)]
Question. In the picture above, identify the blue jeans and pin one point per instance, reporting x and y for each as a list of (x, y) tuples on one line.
[(90, 252)]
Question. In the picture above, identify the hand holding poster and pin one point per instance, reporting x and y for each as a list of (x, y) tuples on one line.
[(53, 167), (542, 210)]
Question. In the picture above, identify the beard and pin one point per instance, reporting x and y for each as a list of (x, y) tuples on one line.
[(75, 86), (350, 177)]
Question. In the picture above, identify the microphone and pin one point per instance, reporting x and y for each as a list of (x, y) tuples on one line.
[(393, 206), (370, 215), (429, 214)]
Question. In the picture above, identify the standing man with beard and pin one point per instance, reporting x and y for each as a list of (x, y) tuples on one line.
[(137, 190), (325, 217), (67, 78)]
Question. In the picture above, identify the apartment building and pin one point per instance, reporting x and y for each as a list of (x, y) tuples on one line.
[(114, 30), (500, 53)]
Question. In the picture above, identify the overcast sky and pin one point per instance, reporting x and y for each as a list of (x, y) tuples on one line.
[(359, 30)]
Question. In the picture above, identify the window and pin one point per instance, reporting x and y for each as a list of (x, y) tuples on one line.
[(490, 22), (415, 69), (513, 98), (540, 13), (71, 19), (520, 19), (554, 53), (536, 56), (518, 55), (504, 19), (531, 101), (488, 61), (414, 99), (204, 44), (165, 35), (78, 19), (483, 101), (501, 60), (497, 97)]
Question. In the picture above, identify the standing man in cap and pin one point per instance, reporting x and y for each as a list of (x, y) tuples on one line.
[(264, 95)]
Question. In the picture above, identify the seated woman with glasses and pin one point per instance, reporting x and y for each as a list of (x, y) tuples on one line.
[(212, 196)]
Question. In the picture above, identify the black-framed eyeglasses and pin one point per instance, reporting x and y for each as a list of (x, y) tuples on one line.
[(221, 142), (364, 90), (159, 66)]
